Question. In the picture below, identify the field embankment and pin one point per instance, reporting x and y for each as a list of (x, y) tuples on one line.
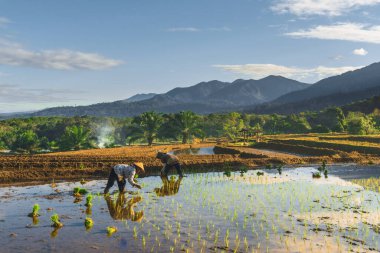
[(278, 149)]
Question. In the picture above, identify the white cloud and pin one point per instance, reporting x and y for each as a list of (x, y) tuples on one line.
[(4, 21), (183, 29), (194, 29), (13, 94), (15, 54), (360, 51), (337, 57), (320, 7), (341, 31), (262, 70)]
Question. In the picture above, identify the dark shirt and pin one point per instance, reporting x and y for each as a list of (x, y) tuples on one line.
[(169, 159)]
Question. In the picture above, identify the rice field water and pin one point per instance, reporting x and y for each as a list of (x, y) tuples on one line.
[(254, 211)]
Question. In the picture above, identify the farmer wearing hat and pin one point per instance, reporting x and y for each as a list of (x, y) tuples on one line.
[(169, 161), (122, 173)]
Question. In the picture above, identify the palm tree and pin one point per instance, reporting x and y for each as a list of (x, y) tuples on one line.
[(75, 137), (186, 124), (26, 141), (145, 126)]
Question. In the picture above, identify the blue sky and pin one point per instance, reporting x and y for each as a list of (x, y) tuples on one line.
[(72, 52)]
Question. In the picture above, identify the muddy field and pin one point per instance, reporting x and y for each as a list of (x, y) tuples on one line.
[(96, 163)]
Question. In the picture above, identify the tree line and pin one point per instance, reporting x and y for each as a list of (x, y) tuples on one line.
[(40, 134)]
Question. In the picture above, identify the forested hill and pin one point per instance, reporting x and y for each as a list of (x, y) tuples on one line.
[(333, 91), (203, 98), (365, 106)]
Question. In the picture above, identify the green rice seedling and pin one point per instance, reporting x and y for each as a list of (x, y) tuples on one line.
[(227, 173), (279, 169), (111, 230), (35, 210), (243, 170), (259, 173), (226, 238), (89, 200), (325, 172), (55, 221), (88, 222), (216, 237), (268, 166), (316, 175), (79, 191), (82, 182)]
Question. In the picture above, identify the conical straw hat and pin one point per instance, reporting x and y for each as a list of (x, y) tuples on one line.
[(140, 165)]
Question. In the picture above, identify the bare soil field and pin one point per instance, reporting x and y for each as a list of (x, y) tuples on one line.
[(96, 163)]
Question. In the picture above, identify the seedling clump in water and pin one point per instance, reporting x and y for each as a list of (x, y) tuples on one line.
[(79, 191), (111, 230), (321, 169), (279, 169), (227, 173), (35, 213), (260, 173), (88, 222), (55, 221), (243, 170), (89, 201)]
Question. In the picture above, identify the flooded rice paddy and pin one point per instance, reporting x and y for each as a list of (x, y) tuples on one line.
[(194, 151), (207, 212)]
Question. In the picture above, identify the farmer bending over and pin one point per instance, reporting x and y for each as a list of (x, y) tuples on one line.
[(169, 161), (123, 172)]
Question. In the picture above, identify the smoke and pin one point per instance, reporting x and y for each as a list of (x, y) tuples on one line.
[(105, 135)]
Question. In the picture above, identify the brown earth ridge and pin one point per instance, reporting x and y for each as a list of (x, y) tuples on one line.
[(96, 163)]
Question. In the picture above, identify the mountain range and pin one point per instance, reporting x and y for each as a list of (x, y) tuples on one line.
[(272, 94), (333, 91), (204, 97)]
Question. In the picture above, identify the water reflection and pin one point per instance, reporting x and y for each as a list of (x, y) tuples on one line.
[(123, 208), (194, 151), (169, 187), (35, 220), (54, 233)]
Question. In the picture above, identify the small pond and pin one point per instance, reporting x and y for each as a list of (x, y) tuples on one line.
[(194, 151), (207, 212)]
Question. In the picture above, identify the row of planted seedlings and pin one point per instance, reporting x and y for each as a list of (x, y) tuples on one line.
[(309, 203), (223, 219), (214, 211)]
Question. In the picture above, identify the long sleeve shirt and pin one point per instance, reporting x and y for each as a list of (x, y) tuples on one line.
[(127, 172), (169, 159)]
